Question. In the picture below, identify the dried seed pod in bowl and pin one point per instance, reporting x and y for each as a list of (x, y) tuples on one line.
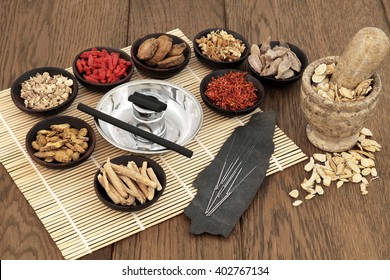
[(277, 62)]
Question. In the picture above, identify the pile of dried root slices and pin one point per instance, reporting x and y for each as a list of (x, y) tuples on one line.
[(356, 166), (330, 91)]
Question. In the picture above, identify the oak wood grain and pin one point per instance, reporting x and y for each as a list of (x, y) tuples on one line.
[(47, 33), (51, 33), (340, 225), (147, 17), (22, 234)]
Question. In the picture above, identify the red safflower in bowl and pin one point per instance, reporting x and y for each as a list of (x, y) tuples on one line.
[(231, 92)]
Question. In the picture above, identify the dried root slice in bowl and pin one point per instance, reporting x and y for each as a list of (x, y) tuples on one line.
[(60, 142)]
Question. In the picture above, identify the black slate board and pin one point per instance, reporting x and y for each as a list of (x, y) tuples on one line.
[(261, 129)]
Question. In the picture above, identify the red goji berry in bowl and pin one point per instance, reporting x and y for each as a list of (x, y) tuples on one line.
[(231, 92), (102, 68)]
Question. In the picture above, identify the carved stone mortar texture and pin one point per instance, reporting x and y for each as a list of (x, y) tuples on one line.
[(334, 126)]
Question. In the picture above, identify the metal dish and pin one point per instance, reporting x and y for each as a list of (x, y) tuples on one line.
[(182, 118)]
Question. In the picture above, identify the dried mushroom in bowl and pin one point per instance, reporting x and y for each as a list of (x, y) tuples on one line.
[(160, 55)]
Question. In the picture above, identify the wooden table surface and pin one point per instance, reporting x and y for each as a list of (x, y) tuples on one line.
[(342, 224)]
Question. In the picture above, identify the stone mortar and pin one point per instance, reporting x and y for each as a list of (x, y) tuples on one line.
[(335, 126)]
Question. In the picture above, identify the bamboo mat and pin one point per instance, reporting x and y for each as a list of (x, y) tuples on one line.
[(65, 201)]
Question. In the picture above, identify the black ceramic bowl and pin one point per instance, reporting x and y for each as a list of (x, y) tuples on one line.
[(218, 73), (214, 64), (74, 123), (104, 87), (106, 200), (19, 101), (156, 72), (279, 82)]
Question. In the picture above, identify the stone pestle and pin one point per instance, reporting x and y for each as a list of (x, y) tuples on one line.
[(334, 125), (362, 57)]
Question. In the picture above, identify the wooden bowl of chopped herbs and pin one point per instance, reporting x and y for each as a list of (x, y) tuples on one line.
[(60, 142), (44, 91), (219, 48)]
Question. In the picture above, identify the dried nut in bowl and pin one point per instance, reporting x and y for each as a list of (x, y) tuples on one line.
[(277, 63)]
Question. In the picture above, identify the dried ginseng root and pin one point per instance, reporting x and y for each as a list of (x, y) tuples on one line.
[(129, 185), (328, 90), (354, 166)]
